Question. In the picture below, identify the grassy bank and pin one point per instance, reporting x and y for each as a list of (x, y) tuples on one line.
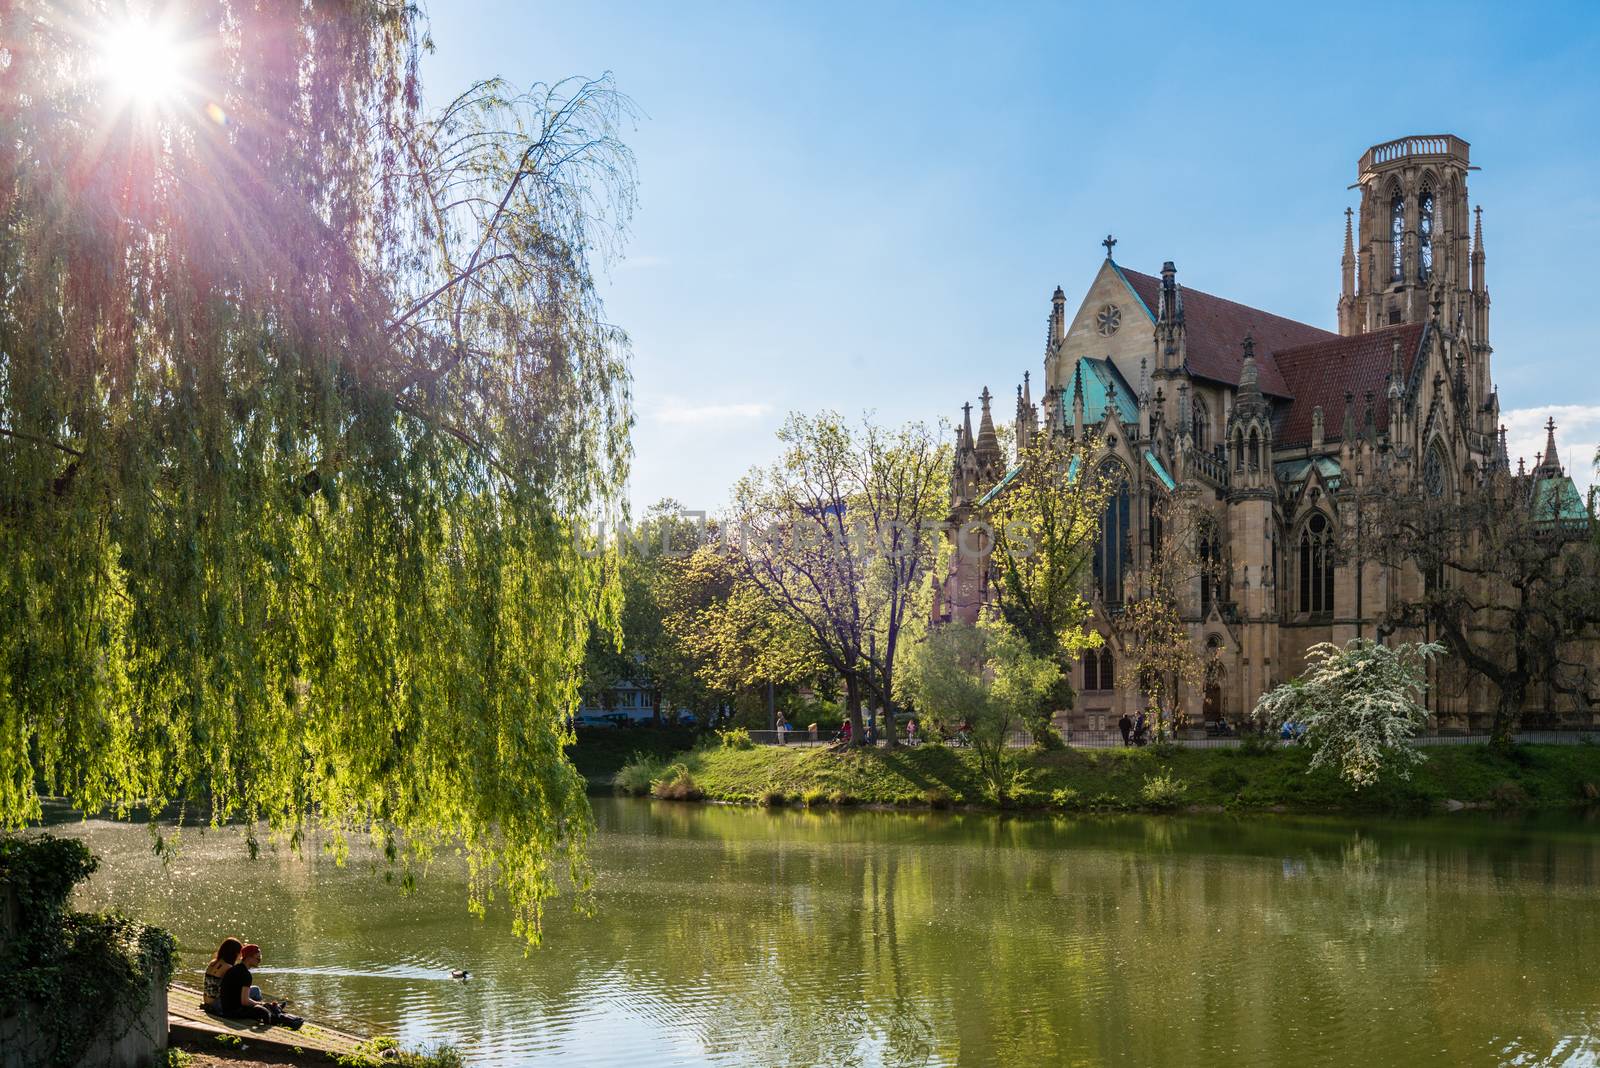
[(1121, 779)]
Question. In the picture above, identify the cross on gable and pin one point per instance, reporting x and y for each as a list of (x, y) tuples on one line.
[(1110, 243)]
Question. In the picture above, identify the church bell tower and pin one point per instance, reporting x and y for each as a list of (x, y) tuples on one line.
[(1414, 238)]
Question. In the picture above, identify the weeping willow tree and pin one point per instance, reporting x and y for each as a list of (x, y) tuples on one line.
[(304, 391)]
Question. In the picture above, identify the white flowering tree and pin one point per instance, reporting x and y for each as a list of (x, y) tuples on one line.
[(1356, 706)]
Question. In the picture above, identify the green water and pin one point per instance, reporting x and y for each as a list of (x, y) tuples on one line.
[(731, 937)]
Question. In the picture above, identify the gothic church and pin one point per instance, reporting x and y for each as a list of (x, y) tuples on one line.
[(1272, 427)]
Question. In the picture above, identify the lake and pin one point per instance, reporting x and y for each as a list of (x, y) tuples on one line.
[(728, 936)]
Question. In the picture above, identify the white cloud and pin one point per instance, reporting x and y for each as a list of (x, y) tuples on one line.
[(1577, 436), (677, 413)]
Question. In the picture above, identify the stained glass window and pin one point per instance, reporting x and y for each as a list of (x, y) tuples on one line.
[(1397, 230), (1425, 235)]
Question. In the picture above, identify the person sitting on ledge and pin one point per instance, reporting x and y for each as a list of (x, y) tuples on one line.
[(240, 1001), (227, 956)]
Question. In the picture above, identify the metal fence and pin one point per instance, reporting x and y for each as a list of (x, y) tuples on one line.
[(1106, 739)]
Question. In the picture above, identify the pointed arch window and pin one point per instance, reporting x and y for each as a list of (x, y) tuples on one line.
[(1316, 565), (1099, 670), (1111, 552), (1433, 472), (1397, 232), (1425, 235), (1210, 560), (1157, 532), (1202, 425)]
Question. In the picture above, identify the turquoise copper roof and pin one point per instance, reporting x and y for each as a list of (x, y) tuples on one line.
[(994, 491), (1011, 476), (1097, 377), (1558, 499), (1297, 470), (1161, 472)]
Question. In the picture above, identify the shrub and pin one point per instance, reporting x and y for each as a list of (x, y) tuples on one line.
[(1356, 707), (639, 774), (1161, 790), (1014, 788), (1025, 797), (1066, 797), (1226, 780), (1589, 792), (385, 1052), (73, 967), (1507, 795), (814, 797), (839, 797), (1257, 745), (735, 738), (772, 797), (677, 784), (937, 797)]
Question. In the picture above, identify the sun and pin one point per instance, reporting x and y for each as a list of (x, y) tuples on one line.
[(141, 63)]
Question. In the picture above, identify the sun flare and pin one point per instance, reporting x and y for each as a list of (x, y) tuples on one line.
[(141, 63)]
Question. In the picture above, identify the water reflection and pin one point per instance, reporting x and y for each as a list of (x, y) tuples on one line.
[(730, 936)]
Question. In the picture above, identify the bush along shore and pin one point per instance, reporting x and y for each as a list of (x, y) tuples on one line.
[(1260, 777)]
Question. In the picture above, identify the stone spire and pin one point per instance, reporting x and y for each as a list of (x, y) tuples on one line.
[(1058, 317), (1550, 463), (1347, 292), (988, 442), (1249, 376), (1478, 258), (1348, 430), (1024, 423), (966, 426), (1169, 322)]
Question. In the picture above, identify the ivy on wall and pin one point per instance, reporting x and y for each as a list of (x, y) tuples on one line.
[(71, 973)]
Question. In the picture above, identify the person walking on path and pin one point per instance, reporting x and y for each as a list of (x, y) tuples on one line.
[(1125, 725)]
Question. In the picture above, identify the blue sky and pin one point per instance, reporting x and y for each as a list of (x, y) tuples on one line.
[(866, 206)]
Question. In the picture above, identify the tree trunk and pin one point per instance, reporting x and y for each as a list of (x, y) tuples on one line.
[(852, 691), (1506, 713), (888, 723)]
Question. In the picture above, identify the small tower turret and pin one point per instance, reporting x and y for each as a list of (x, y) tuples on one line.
[(1348, 319)]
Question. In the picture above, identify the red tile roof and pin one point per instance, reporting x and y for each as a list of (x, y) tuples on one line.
[(1320, 374), (1214, 328)]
